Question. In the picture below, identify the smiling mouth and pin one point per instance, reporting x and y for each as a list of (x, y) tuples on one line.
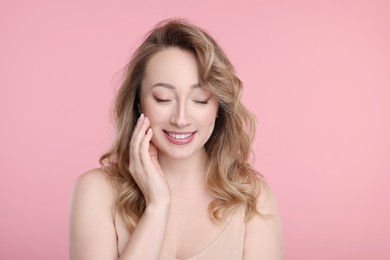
[(180, 136)]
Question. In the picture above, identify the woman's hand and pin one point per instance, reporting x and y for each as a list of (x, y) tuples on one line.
[(144, 165)]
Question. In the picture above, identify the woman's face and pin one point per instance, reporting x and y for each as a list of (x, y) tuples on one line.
[(181, 112)]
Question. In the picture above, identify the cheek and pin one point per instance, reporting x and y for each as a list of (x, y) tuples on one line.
[(153, 113), (208, 119), (212, 114)]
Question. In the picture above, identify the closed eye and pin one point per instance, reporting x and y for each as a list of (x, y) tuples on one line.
[(160, 100), (201, 102)]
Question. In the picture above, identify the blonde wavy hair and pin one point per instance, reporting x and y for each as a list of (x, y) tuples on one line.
[(230, 178)]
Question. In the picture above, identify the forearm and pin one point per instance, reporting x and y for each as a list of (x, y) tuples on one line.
[(148, 237)]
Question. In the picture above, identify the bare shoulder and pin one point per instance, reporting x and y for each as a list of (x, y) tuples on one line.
[(267, 202), (95, 178), (263, 236), (92, 192), (93, 188), (91, 228)]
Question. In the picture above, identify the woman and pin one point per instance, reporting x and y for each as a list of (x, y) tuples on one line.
[(176, 183)]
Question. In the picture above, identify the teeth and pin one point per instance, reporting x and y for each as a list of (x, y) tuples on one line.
[(183, 136)]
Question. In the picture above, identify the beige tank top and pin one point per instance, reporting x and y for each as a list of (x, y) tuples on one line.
[(229, 245)]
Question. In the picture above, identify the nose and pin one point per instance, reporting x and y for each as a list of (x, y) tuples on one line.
[(180, 116)]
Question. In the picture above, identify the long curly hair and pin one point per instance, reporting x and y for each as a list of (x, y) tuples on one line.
[(230, 178)]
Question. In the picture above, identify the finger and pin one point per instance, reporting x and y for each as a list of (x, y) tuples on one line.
[(154, 156), (136, 138), (137, 127), (139, 132), (144, 149), (153, 150), (140, 119)]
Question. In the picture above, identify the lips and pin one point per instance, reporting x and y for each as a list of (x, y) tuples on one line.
[(180, 137)]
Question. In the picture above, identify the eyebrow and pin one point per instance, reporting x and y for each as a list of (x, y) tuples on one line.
[(166, 85)]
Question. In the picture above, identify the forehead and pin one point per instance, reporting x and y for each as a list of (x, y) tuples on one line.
[(172, 66)]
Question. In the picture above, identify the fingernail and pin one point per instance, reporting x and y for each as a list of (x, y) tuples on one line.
[(141, 117), (149, 131)]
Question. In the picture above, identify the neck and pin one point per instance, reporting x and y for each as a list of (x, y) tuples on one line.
[(185, 173)]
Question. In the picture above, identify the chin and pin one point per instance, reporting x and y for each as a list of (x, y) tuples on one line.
[(177, 155)]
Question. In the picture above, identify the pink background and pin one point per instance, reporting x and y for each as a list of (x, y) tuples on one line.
[(316, 74)]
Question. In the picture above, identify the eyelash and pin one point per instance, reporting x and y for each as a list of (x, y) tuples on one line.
[(159, 100), (202, 102)]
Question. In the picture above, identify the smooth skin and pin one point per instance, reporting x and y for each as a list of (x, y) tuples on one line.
[(170, 175)]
